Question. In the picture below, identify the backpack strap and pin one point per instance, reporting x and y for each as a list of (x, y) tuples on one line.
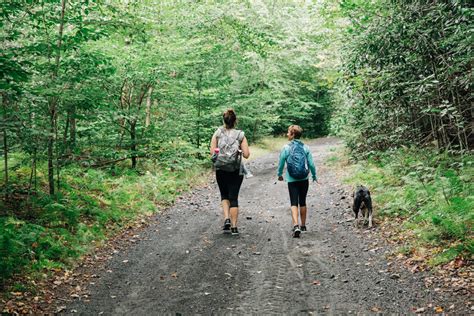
[(239, 138)]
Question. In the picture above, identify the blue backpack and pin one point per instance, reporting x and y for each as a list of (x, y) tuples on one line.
[(296, 162)]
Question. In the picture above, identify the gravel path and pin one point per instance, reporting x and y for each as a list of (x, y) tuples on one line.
[(183, 264)]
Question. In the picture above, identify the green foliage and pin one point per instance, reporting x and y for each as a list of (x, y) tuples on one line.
[(93, 204), (406, 75), (433, 192)]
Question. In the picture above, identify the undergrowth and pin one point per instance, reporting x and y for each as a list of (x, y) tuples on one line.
[(39, 232), (432, 192)]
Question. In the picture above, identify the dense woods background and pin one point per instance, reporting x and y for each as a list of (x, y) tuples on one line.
[(108, 106)]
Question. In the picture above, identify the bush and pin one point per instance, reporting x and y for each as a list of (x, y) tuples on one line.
[(50, 232), (432, 191)]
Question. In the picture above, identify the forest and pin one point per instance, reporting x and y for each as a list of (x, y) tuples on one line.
[(108, 107)]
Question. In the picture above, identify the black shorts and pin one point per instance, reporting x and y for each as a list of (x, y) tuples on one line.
[(298, 191), (229, 186)]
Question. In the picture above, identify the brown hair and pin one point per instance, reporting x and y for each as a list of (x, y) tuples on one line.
[(296, 131), (229, 118)]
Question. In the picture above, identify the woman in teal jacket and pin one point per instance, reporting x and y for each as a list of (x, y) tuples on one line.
[(298, 188)]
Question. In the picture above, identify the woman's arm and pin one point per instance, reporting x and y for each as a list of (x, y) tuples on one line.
[(213, 144), (245, 148), (281, 163), (311, 165)]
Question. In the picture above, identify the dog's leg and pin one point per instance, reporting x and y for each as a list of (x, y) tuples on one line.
[(366, 216), (363, 210), (356, 218), (355, 208), (369, 210)]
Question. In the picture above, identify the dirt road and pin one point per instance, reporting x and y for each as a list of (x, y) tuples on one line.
[(183, 264)]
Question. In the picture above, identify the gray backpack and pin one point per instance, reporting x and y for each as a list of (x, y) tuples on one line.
[(229, 157)]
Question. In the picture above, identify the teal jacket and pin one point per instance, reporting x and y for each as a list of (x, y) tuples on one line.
[(285, 152)]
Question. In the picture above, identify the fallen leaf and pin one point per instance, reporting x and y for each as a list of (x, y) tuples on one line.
[(60, 309), (438, 309), (174, 275), (420, 310), (376, 309)]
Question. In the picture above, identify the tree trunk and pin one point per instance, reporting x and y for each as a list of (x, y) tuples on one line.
[(59, 153), (66, 129), (69, 131), (148, 107), (72, 129), (133, 146), (53, 103), (52, 114), (5, 141)]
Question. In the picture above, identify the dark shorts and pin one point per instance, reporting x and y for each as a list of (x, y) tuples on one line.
[(229, 186), (298, 191)]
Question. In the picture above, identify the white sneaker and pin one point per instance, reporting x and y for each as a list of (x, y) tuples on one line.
[(248, 175)]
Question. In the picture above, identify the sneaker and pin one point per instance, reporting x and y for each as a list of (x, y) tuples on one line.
[(234, 231), (296, 231), (226, 228), (303, 228), (248, 175)]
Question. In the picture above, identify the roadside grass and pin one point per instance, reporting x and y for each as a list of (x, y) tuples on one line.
[(433, 193), (39, 233), (266, 145)]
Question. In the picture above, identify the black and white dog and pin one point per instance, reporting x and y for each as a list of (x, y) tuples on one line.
[(362, 202)]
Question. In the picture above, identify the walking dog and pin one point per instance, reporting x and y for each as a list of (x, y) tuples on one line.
[(362, 202)]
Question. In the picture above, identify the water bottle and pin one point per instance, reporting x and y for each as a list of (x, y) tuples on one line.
[(241, 164), (215, 154)]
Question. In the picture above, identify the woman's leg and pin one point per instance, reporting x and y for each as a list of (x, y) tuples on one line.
[(294, 215), (293, 189), (235, 181), (226, 208), (234, 214), (303, 211), (302, 193), (222, 182)]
